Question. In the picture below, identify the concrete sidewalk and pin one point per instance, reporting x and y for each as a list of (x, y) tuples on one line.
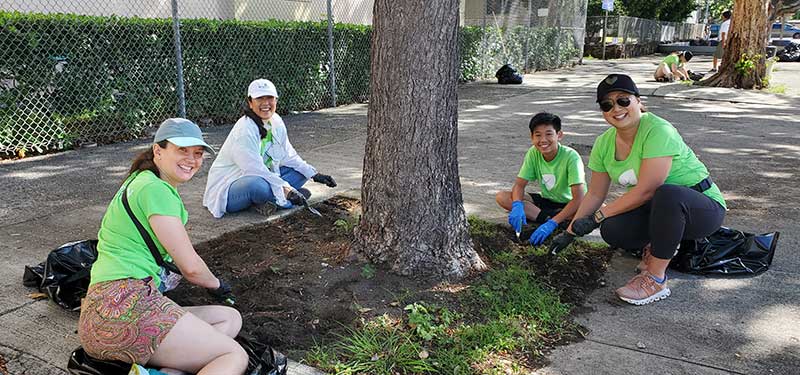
[(748, 140)]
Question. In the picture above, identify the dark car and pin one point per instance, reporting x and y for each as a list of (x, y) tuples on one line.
[(788, 31)]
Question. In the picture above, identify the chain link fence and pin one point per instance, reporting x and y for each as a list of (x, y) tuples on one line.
[(631, 36), (74, 72), (529, 34)]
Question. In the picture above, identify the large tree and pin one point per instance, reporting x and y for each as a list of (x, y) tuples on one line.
[(413, 216), (744, 63)]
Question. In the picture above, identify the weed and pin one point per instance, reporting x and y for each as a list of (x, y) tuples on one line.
[(514, 291), (428, 322), (367, 271), (480, 227), (373, 349), (777, 89), (346, 225)]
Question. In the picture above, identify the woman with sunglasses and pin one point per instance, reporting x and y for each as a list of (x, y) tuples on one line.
[(670, 194)]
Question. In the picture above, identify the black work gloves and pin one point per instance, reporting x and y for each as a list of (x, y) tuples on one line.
[(223, 294), (561, 242), (584, 225), (296, 198), (324, 179)]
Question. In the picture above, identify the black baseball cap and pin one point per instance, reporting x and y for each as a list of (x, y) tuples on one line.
[(616, 82)]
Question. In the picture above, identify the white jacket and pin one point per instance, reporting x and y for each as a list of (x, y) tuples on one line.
[(240, 156)]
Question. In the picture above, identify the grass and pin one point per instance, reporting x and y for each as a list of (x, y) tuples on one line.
[(777, 89), (503, 322)]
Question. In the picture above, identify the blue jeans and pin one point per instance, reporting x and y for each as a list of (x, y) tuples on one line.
[(253, 190)]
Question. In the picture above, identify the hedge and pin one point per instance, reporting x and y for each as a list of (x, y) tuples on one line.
[(102, 79)]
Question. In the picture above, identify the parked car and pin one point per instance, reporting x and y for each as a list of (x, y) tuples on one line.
[(714, 31), (788, 31)]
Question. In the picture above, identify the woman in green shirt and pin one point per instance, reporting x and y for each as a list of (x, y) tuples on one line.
[(673, 66), (124, 315), (670, 194)]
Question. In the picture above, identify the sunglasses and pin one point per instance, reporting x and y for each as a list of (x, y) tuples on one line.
[(608, 104)]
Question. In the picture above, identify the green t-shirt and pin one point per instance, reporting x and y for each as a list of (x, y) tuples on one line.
[(265, 143), (655, 138), (121, 251), (673, 60), (556, 176)]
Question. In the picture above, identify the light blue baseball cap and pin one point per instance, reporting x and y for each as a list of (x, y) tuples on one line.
[(181, 132)]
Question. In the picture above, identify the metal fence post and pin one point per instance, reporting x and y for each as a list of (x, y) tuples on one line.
[(558, 36), (605, 24), (176, 25), (526, 67), (332, 77)]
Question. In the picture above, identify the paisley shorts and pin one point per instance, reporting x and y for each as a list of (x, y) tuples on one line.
[(126, 320)]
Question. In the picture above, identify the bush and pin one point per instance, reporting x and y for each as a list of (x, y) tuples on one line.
[(69, 78)]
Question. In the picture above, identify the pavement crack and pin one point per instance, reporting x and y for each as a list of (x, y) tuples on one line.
[(11, 310), (19, 353), (667, 357)]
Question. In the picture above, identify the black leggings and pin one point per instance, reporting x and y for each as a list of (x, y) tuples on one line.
[(675, 213)]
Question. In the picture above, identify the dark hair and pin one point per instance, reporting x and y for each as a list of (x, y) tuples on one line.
[(253, 116), (545, 118), (726, 14), (686, 55), (144, 161)]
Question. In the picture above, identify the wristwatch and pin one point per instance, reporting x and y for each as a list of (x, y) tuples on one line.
[(598, 216)]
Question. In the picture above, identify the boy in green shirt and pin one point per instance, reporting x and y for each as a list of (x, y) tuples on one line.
[(559, 170)]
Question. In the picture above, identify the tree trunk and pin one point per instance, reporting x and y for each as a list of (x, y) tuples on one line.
[(413, 216), (747, 43)]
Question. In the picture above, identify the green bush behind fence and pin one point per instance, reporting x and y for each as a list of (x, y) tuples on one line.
[(67, 78)]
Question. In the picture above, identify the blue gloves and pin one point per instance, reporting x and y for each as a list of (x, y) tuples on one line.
[(584, 225), (516, 218), (542, 232)]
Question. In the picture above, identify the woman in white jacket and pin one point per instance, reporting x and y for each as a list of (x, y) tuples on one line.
[(257, 166)]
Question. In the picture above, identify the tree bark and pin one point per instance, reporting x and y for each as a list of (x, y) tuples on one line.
[(747, 41), (413, 216)]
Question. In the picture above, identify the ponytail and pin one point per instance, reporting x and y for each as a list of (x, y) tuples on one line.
[(258, 120), (144, 161)]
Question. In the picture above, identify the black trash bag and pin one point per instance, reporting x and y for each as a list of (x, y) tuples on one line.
[(64, 276), (727, 252), (695, 76), (263, 359), (81, 363), (508, 75), (790, 53)]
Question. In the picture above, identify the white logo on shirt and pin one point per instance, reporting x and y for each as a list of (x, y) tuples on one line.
[(549, 181), (628, 178)]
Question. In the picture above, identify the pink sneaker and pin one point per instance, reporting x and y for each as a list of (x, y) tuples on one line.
[(643, 289)]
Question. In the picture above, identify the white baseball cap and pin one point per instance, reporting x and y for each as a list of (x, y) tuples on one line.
[(261, 87)]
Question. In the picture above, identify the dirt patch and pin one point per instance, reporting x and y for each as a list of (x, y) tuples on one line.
[(296, 287)]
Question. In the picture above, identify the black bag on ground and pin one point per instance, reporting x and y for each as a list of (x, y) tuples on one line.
[(264, 360), (81, 363), (508, 75), (790, 53), (727, 252), (694, 76), (64, 276)]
